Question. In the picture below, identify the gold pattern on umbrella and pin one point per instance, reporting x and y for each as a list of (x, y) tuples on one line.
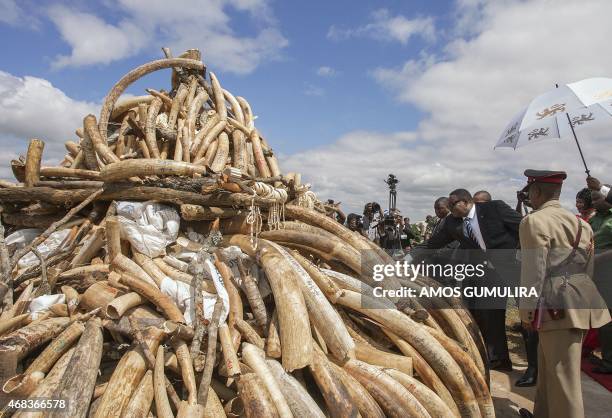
[(603, 95), (551, 111)]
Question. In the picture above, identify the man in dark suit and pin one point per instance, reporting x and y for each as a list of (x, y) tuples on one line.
[(488, 233)]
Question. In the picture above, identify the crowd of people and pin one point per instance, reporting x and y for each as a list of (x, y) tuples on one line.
[(566, 256), (396, 234)]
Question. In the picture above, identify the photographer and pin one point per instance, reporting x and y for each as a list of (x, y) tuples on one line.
[(391, 226), (332, 209), (372, 214), (354, 222), (394, 236)]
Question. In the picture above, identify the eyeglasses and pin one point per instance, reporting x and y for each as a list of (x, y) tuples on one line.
[(452, 204)]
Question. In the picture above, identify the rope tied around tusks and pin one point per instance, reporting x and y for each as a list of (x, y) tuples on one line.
[(254, 220), (306, 198), (276, 212)]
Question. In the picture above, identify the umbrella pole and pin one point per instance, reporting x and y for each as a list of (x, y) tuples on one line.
[(586, 169)]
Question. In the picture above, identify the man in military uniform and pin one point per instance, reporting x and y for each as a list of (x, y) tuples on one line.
[(557, 259)]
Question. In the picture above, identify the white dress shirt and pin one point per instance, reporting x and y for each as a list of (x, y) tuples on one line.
[(475, 227)]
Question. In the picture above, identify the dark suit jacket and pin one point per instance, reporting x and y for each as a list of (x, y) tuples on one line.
[(499, 226), (498, 223)]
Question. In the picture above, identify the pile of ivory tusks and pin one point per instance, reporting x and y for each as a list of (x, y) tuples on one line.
[(317, 343)]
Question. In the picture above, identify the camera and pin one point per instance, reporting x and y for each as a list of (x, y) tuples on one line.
[(390, 234), (523, 197), (392, 182)]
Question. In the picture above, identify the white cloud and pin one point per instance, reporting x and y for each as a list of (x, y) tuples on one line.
[(32, 107), (12, 14), (94, 41), (9, 12), (468, 94), (386, 27), (312, 90), (326, 71), (205, 24)]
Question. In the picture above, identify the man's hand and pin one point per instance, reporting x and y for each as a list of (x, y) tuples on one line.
[(527, 326), (593, 183)]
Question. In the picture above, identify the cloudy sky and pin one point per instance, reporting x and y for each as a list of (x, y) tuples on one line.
[(345, 91)]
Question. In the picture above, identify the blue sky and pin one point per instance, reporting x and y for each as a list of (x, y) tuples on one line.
[(345, 91), (286, 90)]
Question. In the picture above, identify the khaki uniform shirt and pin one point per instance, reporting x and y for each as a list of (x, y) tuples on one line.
[(547, 236)]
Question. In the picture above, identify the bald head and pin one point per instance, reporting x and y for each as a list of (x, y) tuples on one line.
[(441, 207), (482, 196)]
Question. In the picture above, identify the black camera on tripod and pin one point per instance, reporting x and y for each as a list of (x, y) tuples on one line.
[(391, 234)]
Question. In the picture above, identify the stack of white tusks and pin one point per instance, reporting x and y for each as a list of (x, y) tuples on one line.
[(293, 328)]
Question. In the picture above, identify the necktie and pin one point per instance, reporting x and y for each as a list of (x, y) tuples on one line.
[(469, 232)]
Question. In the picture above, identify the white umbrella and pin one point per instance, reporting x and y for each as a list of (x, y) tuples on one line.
[(559, 112)]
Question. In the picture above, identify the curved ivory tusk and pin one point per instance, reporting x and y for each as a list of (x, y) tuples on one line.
[(91, 129), (211, 135), (254, 358), (48, 385), (218, 97), (60, 344), (118, 306), (194, 109), (141, 400), (295, 335), (239, 159), (246, 112), (148, 167), (22, 385), (258, 155), (322, 313), (124, 105), (367, 405), (298, 398), (148, 266), (202, 140), (425, 372), (427, 397), (391, 395), (416, 334), (135, 74), (162, 404), (177, 103), (218, 164), (129, 371), (150, 122), (28, 338), (236, 108), (335, 393), (471, 372), (127, 265), (155, 296), (375, 357), (255, 397), (79, 380)]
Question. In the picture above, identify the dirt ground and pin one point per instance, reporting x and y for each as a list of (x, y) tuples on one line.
[(509, 398)]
